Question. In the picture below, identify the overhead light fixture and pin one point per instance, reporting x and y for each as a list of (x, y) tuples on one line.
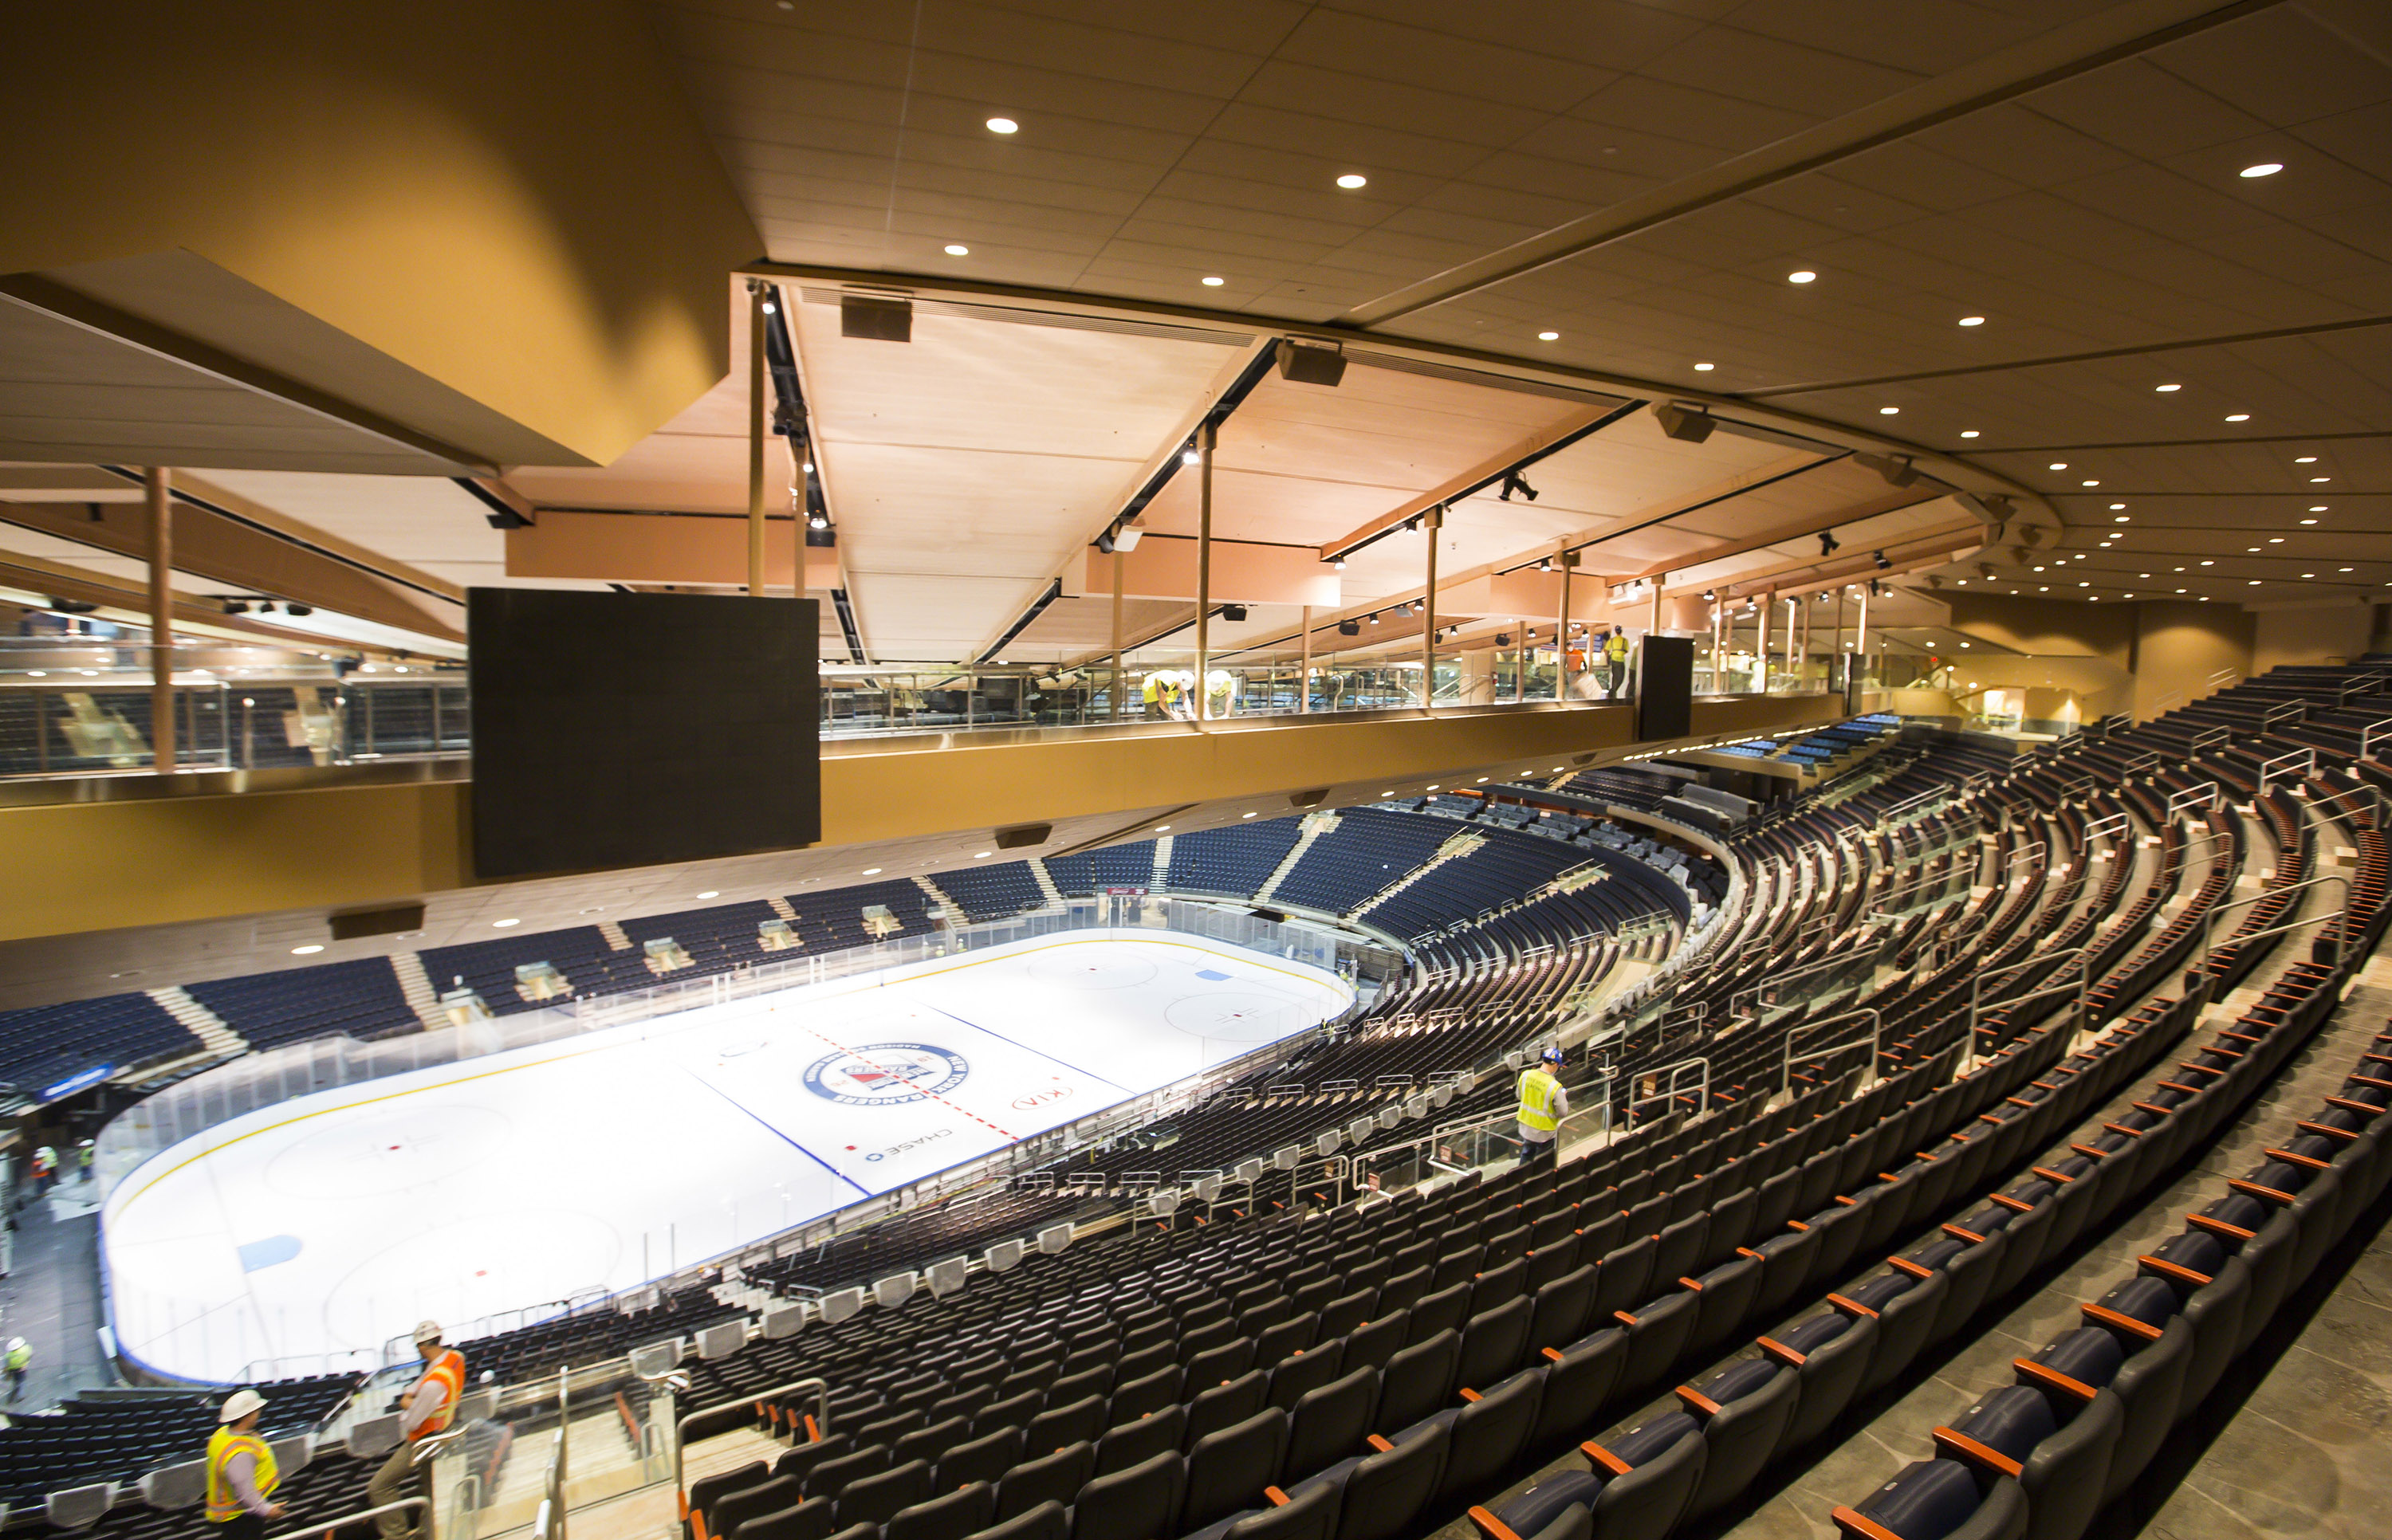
[(872, 871), (1191, 457), (1705, 369), (2238, 417), (305, 951), (2304, 459), (1352, 180), (2165, 389), (1309, 366), (1829, 544), (2265, 168), (817, 520), (1968, 433), (1513, 483), (2057, 465), (1882, 562), (1802, 275), (1374, 618), (1888, 411), (875, 318), (1003, 126), (1547, 564), (1214, 282), (1549, 336), (1972, 320), (958, 251), (502, 925), (1684, 424)]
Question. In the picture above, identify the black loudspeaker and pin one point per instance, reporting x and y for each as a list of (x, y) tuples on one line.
[(1685, 422), (1310, 365), (882, 320), (1665, 688), (623, 730)]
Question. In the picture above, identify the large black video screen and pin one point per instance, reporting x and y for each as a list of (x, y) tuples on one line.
[(1665, 688), (615, 730)]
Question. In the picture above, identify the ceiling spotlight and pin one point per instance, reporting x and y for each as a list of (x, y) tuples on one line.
[(1189, 456), (1882, 562), (1968, 433), (502, 925), (1705, 369), (1888, 411), (1804, 276), (2058, 465), (958, 251), (2265, 168), (1003, 126), (1337, 564), (711, 893), (2304, 459), (2238, 417), (1549, 336), (305, 951), (1352, 180), (2308, 521), (2165, 389), (1513, 483), (1214, 282), (1972, 320), (1374, 619), (771, 309), (1547, 564), (1709, 594), (1827, 543), (817, 520)]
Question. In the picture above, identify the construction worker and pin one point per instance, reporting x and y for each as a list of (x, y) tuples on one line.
[(1543, 1104), (430, 1402), (20, 1355), (1615, 657), (241, 1477)]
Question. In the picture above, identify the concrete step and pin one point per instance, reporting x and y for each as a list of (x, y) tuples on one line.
[(1046, 882), (615, 939), (1315, 825), (415, 985), (943, 908), (210, 1028)]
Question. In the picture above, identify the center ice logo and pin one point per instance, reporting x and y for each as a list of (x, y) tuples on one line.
[(887, 1074)]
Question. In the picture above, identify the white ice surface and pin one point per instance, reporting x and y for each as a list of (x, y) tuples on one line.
[(336, 1221)]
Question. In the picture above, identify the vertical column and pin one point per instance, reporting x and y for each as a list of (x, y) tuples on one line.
[(1120, 689), (1431, 521), (1768, 601), (1562, 634), (1860, 637), (1205, 437), (161, 620), (755, 292), (1304, 679)]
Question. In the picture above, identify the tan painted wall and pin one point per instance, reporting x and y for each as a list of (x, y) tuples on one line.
[(448, 183), (2046, 627), (182, 859), (2318, 633), (2180, 647)]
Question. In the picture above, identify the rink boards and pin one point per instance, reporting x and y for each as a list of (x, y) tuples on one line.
[(335, 1220)]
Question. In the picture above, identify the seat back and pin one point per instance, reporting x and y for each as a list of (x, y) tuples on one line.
[(1228, 1469), (1141, 1503)]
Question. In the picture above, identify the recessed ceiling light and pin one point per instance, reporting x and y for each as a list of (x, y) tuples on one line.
[(872, 871), (1972, 320), (2265, 168), (2142, 575), (2165, 389), (1549, 336), (2204, 563), (2092, 484), (2275, 539), (2308, 574), (2123, 518), (1002, 125), (2082, 583), (1887, 411), (2345, 569), (2115, 506), (2254, 582), (1215, 282), (1968, 433), (711, 893), (305, 951), (2183, 590), (502, 924), (982, 855), (2308, 521), (2314, 480), (1353, 179), (1162, 828), (1245, 815), (1705, 369), (2252, 549), (1806, 276), (2304, 459), (958, 251), (2238, 417), (2058, 465)]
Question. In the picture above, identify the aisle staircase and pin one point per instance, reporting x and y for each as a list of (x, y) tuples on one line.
[(1046, 883), (943, 908), (1160, 881), (1455, 848), (415, 985), (781, 907), (209, 1027), (615, 939), (1315, 825)]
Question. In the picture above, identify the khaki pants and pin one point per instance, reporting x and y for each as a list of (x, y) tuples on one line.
[(392, 1482)]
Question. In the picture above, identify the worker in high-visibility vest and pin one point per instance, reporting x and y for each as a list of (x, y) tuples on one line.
[(18, 1357), (429, 1405), (241, 1477), (1615, 657), (1543, 1104)]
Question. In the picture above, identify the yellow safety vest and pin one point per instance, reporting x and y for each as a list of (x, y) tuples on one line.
[(1537, 1088), (1616, 648), (224, 1503)]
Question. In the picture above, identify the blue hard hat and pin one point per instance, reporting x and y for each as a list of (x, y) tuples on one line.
[(1553, 1055)]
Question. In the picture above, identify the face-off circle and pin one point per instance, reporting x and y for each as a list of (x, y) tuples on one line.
[(887, 1074)]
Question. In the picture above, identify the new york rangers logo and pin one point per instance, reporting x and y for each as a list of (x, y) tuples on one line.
[(887, 1074)]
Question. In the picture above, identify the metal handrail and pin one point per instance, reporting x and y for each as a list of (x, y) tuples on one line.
[(1977, 986), (2209, 917), (2225, 679), (2207, 739), (1670, 1089), (1876, 1036), (816, 1383), (2372, 731), (2206, 794), (2268, 771), (328, 1526), (2290, 711), (2100, 827)]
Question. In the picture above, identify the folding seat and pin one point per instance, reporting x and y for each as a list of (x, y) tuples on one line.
[(1371, 1274), (1127, 1443), (1551, 1263), (1493, 1343), (1678, 1247), (1658, 1333), (1373, 1343), (1222, 1361), (1725, 1294), (1148, 1392), (1731, 1219), (1646, 1218), (874, 1498), (1013, 1411), (1458, 1266), (1420, 1252), (1938, 1500), (833, 1477), (1497, 1286), (1291, 1336), (1400, 1291), (1638, 1488), (2057, 1448), (1505, 1246), (1416, 1382), (1038, 1480), (858, 1532), (1262, 1317), (1551, 1227), (1818, 1181), (800, 1460), (930, 1442), (1231, 1401), (1302, 1372), (733, 1508), (1971, 1271), (1623, 1278), (1602, 1232), (1559, 1310), (1785, 1259), (806, 1520), (1080, 1422), (1885, 1209), (1228, 1470), (1311, 1298), (961, 1512), (1580, 1380), (708, 1490), (1842, 1227), (1344, 1312), (1206, 1338), (1380, 1493), (2029, 1231), (1487, 1432), (1831, 1352), (1068, 1388), (1135, 1364), (2079, 1181), (1141, 1503), (1773, 1203)]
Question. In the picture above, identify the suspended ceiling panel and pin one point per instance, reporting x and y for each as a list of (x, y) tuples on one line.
[(426, 522)]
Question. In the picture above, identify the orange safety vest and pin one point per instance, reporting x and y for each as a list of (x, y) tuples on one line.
[(449, 1371), (224, 1503)]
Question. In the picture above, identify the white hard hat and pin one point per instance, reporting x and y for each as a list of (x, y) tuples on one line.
[(14, 1342), (426, 1331), (240, 1404)]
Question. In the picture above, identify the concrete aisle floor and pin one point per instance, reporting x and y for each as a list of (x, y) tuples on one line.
[(51, 1297)]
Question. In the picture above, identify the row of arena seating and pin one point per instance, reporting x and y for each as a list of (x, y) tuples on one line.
[(102, 1439)]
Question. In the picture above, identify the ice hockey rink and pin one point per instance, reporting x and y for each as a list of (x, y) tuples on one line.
[(335, 1221)]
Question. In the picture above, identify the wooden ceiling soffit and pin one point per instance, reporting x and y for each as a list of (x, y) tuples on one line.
[(1455, 488), (1244, 572), (695, 549)]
